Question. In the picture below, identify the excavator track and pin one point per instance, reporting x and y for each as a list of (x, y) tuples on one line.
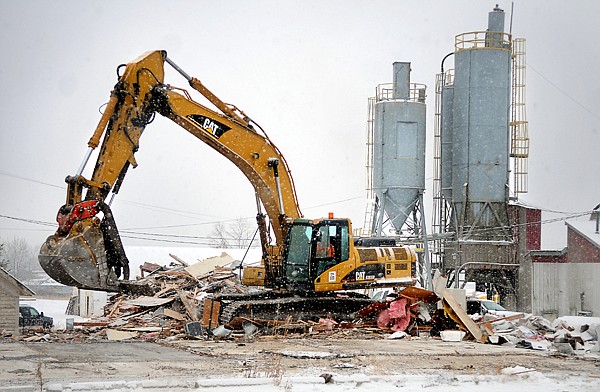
[(340, 308)]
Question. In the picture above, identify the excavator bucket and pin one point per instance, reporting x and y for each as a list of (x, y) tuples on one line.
[(79, 260)]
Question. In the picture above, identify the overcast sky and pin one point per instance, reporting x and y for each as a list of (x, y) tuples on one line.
[(303, 70)]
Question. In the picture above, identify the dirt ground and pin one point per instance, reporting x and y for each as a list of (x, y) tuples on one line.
[(26, 365)]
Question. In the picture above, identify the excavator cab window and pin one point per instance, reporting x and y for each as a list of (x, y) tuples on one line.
[(344, 244), (298, 253), (325, 239), (314, 248), (331, 246)]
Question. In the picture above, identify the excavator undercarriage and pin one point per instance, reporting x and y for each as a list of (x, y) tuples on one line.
[(272, 305)]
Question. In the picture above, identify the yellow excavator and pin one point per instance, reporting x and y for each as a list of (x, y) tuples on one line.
[(308, 258)]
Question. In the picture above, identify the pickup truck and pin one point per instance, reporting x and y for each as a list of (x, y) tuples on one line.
[(29, 316)]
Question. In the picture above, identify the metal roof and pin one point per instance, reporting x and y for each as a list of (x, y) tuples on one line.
[(587, 229), (24, 291)]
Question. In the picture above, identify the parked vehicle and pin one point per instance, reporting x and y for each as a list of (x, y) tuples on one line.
[(382, 294), (29, 316), (484, 306)]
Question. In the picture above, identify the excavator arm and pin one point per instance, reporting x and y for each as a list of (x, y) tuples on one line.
[(86, 250)]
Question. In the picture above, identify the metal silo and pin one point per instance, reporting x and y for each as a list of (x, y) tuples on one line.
[(398, 177), (480, 121), (480, 126), (446, 140)]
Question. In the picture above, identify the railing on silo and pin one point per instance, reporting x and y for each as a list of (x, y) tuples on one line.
[(483, 40), (389, 91)]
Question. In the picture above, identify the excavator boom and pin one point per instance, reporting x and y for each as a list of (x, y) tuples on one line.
[(86, 251)]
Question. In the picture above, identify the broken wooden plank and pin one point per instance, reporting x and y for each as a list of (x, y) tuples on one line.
[(173, 314), (439, 283), (507, 318), (488, 328), (136, 314), (115, 334), (180, 261), (145, 301), (168, 287), (34, 338), (183, 274), (459, 315), (115, 308), (190, 307), (209, 264), (210, 313)]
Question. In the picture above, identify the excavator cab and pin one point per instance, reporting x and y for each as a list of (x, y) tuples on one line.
[(312, 247)]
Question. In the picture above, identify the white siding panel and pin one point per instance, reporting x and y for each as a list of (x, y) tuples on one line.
[(565, 289)]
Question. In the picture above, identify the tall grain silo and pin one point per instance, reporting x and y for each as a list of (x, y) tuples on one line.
[(480, 137), (398, 158), (473, 153)]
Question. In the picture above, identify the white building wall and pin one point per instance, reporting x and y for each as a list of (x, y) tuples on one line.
[(558, 289), (91, 303)]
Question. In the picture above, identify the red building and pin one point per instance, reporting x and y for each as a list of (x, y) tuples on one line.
[(555, 283)]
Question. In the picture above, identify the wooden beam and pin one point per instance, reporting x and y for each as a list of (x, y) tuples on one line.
[(459, 315), (189, 305)]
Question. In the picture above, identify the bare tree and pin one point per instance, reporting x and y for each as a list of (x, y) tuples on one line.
[(219, 236), (237, 235), (240, 233), (20, 258), (3, 259)]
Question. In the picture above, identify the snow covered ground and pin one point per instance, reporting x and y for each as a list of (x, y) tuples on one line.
[(512, 379), (508, 379)]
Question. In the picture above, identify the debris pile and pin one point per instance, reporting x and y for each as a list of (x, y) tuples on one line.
[(411, 310), (177, 303), (567, 335), (178, 298), (181, 306)]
